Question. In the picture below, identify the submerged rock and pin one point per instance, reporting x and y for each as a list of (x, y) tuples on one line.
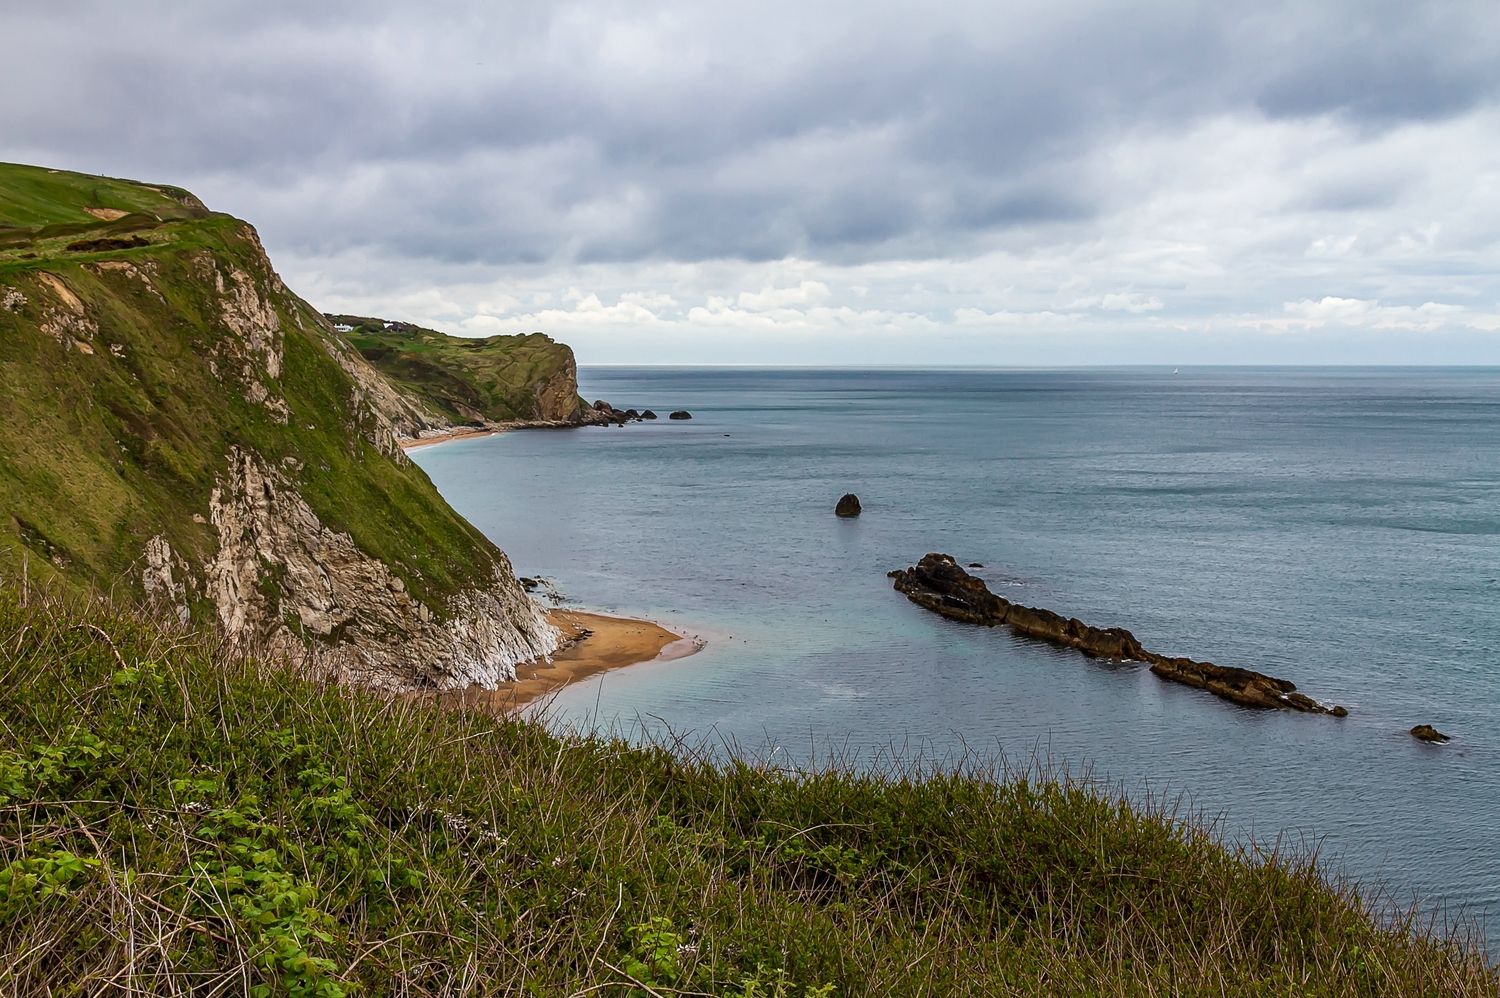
[(1427, 733), (937, 583), (848, 506), (681, 414)]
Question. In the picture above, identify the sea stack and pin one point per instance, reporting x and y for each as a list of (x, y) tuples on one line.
[(848, 506)]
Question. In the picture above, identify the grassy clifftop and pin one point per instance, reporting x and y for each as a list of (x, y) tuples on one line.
[(179, 426), (499, 378), (175, 820)]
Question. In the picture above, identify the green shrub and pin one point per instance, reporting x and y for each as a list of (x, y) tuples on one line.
[(177, 820)]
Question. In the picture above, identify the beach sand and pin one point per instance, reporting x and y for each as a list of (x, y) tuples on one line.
[(489, 429), (592, 643), (444, 438)]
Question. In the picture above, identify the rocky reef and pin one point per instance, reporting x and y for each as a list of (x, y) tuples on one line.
[(937, 583)]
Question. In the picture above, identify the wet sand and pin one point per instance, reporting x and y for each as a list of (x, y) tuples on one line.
[(592, 643)]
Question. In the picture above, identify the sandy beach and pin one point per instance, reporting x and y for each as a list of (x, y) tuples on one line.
[(444, 438), (489, 429), (592, 643)]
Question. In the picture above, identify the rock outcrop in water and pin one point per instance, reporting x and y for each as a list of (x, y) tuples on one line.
[(1427, 733), (847, 506), (937, 583)]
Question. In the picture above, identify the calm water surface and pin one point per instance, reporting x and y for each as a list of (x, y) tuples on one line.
[(1340, 528)]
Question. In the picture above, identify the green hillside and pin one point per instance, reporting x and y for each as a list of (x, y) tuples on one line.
[(177, 822), (33, 198), (498, 378), (160, 377)]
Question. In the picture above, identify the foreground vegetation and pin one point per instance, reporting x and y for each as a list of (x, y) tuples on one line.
[(177, 820)]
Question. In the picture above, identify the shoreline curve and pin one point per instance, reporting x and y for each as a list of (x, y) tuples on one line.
[(592, 643)]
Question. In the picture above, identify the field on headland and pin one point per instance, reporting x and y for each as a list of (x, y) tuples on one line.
[(178, 819)]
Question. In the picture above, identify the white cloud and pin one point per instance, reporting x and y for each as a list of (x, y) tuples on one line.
[(772, 298), (1310, 314)]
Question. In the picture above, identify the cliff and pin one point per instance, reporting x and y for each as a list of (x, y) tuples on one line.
[(180, 425), (459, 380)]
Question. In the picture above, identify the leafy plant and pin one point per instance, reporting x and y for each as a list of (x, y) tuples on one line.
[(40, 877), (184, 820)]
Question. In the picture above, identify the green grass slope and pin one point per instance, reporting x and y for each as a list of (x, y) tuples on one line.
[(127, 384), (176, 821), (498, 378)]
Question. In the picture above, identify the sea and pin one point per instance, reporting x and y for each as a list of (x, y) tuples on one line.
[(1336, 527)]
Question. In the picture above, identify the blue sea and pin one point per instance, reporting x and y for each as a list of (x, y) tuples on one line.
[(1336, 527)]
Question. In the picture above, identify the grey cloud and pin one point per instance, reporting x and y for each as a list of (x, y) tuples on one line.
[(527, 132)]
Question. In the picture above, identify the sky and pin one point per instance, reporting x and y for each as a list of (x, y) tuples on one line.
[(838, 183)]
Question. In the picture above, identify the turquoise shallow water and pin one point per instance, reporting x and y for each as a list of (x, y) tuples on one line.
[(1340, 528)]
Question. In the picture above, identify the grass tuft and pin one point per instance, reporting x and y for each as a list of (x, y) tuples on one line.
[(178, 820)]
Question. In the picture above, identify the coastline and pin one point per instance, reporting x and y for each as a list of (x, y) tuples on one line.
[(592, 643), (487, 430)]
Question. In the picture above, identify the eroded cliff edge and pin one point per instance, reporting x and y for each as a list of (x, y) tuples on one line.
[(181, 424)]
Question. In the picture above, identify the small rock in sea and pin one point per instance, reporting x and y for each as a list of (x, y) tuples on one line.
[(1338, 711), (648, 414), (848, 506), (975, 564), (681, 414), (632, 414), (528, 583), (1427, 733), (602, 406)]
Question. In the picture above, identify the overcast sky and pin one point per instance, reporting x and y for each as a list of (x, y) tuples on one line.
[(924, 183)]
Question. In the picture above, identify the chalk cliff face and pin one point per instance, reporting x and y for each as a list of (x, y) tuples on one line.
[(179, 423), (281, 576)]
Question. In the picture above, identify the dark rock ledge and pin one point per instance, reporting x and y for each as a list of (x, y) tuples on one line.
[(938, 584)]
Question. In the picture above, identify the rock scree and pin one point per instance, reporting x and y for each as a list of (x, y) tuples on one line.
[(1427, 733), (937, 583), (847, 506)]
